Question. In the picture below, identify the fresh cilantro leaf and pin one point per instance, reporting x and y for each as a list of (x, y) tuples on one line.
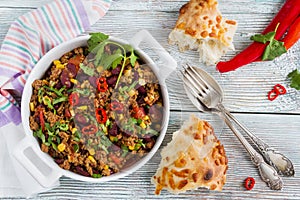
[(95, 39), (274, 49), (132, 58), (117, 62), (294, 77), (263, 38), (87, 70), (107, 60)]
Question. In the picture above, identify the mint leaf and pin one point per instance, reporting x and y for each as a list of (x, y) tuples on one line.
[(87, 70), (95, 39), (294, 77)]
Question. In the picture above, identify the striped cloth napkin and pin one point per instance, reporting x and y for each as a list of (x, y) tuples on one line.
[(28, 39)]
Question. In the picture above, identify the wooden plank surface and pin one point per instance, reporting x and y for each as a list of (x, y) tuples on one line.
[(276, 122)]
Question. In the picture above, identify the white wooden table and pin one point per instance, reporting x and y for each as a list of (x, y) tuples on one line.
[(276, 122)]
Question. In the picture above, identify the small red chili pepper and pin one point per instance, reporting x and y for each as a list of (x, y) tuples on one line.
[(101, 115), (74, 99), (42, 120), (249, 183), (280, 89), (90, 129), (102, 84), (273, 94), (138, 112), (116, 106), (293, 34)]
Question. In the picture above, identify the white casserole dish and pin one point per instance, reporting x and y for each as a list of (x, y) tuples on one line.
[(39, 164)]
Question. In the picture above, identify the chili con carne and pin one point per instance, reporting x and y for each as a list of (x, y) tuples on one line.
[(102, 84), (249, 183), (101, 115), (90, 129)]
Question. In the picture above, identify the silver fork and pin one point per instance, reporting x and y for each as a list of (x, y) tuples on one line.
[(208, 97)]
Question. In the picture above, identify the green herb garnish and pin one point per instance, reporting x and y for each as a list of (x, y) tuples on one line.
[(274, 49), (97, 43), (87, 70), (294, 77)]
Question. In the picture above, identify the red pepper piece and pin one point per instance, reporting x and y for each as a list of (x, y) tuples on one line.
[(249, 183), (101, 115), (280, 89), (285, 17), (138, 112), (74, 99), (116, 106), (115, 159), (42, 120), (102, 84), (90, 129), (273, 94), (293, 34)]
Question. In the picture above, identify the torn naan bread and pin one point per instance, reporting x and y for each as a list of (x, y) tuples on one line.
[(200, 26), (194, 158)]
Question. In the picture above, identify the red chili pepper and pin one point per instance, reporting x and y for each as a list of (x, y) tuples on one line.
[(74, 99), (102, 84), (273, 94), (280, 89), (285, 17), (101, 115), (249, 183), (138, 112), (293, 34), (116, 106), (42, 120), (90, 129)]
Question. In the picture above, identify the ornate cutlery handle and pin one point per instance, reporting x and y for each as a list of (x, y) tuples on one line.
[(267, 172), (280, 162)]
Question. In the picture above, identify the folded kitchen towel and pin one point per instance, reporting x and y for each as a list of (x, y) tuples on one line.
[(28, 39)]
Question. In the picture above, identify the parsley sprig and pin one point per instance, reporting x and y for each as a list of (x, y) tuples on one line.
[(274, 49), (96, 45)]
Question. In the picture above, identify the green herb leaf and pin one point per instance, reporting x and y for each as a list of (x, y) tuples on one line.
[(76, 148), (294, 77), (60, 99), (95, 39), (87, 70), (274, 49), (107, 60), (56, 91)]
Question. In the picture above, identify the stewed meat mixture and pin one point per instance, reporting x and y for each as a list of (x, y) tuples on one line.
[(92, 120)]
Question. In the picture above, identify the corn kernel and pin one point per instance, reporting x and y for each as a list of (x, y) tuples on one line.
[(92, 151), (61, 147), (143, 125), (32, 106), (99, 69), (60, 66), (82, 107), (92, 159), (131, 147), (56, 62), (146, 118), (74, 81), (105, 167), (46, 99), (72, 112), (74, 130), (45, 82), (131, 93)]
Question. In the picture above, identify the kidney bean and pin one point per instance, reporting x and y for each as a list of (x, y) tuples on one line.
[(81, 171), (56, 106), (155, 113), (81, 119), (82, 77), (135, 76), (111, 81), (58, 85), (72, 69), (93, 81), (59, 161), (64, 79), (113, 131), (116, 71), (114, 148), (147, 138), (141, 90)]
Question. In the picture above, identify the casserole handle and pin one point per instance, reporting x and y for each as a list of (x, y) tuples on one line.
[(29, 156), (167, 60)]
